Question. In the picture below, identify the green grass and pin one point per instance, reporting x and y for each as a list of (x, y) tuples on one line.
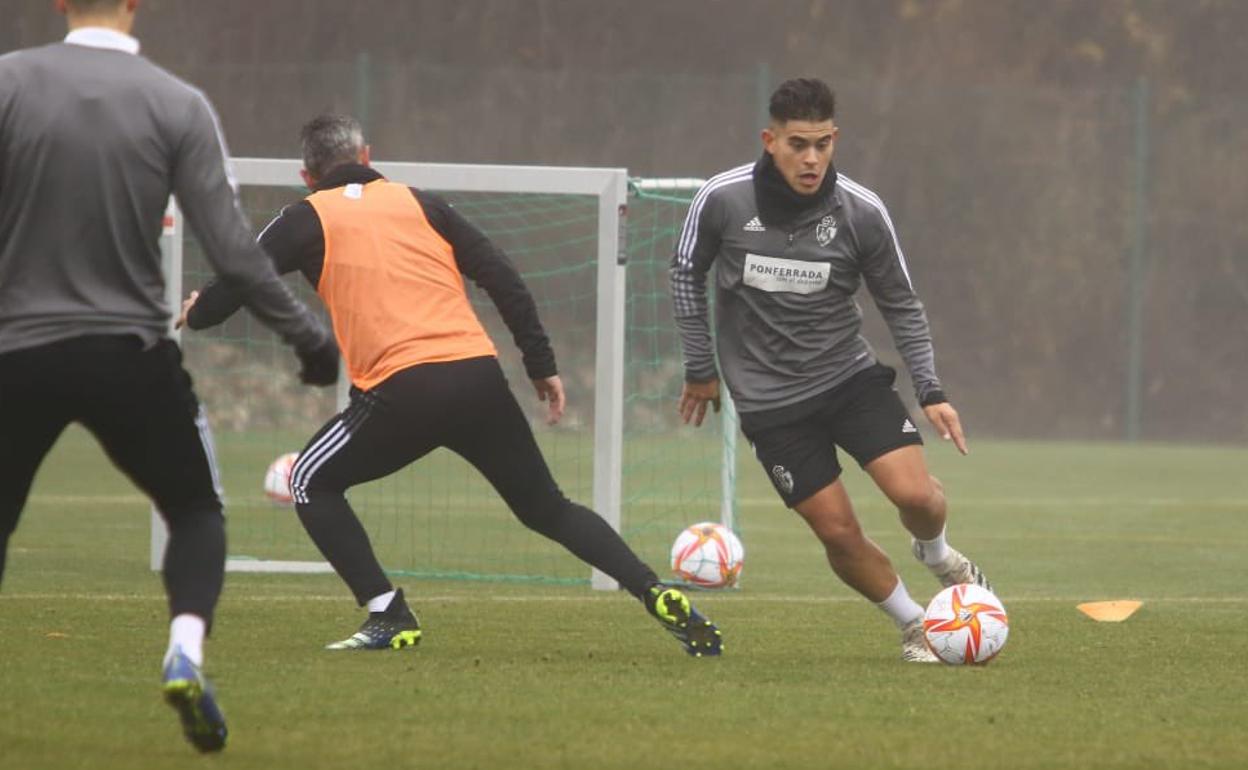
[(518, 676)]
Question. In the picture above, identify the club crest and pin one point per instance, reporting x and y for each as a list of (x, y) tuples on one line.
[(825, 231), (783, 478)]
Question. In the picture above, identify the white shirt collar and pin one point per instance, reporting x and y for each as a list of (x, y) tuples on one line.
[(103, 37)]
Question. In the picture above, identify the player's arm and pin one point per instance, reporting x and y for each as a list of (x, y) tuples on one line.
[(208, 197), (489, 268), (696, 250), (888, 279), (293, 240)]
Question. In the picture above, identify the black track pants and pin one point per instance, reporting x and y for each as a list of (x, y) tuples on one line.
[(140, 406), (467, 407)]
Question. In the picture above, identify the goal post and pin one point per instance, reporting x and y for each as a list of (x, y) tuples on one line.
[(585, 212)]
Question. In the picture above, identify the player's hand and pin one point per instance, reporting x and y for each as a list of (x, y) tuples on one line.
[(319, 364), (693, 400), (187, 304), (550, 390), (945, 419)]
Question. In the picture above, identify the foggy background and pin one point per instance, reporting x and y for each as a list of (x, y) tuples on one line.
[(1068, 177)]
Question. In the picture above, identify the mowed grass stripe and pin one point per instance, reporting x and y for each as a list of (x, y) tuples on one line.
[(417, 598), (539, 676), (761, 502)]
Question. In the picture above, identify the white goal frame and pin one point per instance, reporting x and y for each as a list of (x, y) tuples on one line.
[(611, 188)]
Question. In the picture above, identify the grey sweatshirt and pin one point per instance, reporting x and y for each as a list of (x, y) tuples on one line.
[(787, 325), (93, 139)]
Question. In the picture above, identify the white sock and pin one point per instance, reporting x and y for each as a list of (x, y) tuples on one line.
[(933, 552), (900, 607), (380, 603), (187, 632)]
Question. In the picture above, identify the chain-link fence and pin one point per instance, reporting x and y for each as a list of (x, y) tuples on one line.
[(1080, 248)]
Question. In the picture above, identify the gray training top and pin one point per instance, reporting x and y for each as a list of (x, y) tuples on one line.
[(787, 325), (93, 139)]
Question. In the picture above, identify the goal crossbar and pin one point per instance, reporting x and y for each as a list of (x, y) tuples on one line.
[(608, 185)]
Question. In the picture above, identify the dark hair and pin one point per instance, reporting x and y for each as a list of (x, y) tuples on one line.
[(328, 141), (802, 99)]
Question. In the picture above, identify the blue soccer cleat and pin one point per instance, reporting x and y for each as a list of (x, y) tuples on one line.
[(189, 693), (672, 609)]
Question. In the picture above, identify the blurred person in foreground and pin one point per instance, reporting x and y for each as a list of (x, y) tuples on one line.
[(93, 139), (791, 240), (389, 262)]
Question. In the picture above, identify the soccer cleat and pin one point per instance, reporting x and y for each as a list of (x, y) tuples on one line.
[(671, 607), (393, 628), (914, 647), (955, 569), (189, 693)]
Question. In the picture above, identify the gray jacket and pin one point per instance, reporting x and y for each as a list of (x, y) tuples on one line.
[(93, 139), (787, 324)]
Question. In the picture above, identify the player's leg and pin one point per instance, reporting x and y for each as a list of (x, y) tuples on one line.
[(801, 462), (141, 406), (874, 426), (31, 419), (902, 476), (495, 437), (853, 556), (378, 433), (367, 440)]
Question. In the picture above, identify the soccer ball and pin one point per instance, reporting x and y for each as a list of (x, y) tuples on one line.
[(965, 625), (277, 479), (708, 555)]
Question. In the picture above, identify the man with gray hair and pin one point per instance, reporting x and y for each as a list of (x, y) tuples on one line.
[(389, 261), (330, 140), (93, 139)]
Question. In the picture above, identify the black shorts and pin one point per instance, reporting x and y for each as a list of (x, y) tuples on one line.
[(797, 444)]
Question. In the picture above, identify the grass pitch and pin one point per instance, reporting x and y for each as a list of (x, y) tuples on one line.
[(516, 676)]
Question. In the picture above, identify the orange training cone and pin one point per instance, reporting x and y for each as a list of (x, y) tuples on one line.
[(1110, 612)]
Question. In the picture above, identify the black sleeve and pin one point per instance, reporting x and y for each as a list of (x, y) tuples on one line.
[(489, 268), (207, 196), (293, 240)]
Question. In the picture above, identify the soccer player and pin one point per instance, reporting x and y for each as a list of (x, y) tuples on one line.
[(792, 240), (93, 139), (389, 261)]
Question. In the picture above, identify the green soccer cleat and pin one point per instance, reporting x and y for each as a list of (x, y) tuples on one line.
[(672, 609), (393, 628), (187, 692)]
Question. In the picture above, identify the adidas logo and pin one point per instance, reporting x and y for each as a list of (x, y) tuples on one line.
[(754, 226), (908, 427)]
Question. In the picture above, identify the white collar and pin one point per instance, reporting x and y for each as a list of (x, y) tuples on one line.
[(103, 37)]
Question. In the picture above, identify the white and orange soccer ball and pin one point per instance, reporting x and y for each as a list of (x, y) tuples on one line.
[(708, 555), (277, 479), (966, 625)]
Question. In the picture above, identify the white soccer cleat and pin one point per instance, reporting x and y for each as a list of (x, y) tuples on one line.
[(914, 645), (954, 570)]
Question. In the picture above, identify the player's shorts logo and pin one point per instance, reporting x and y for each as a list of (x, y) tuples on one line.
[(783, 478), (825, 231)]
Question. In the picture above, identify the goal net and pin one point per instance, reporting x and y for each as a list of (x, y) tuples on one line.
[(594, 250)]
